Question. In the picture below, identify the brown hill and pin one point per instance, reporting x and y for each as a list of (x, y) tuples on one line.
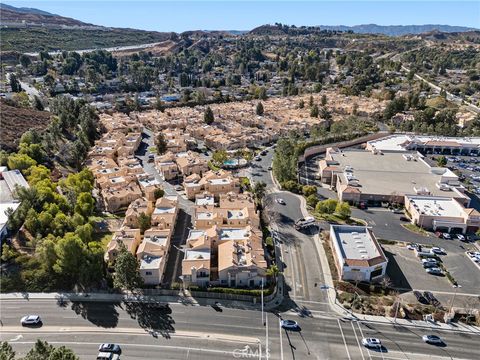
[(12, 15), (15, 121)]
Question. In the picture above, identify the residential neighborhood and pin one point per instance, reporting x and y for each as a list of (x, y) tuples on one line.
[(198, 180)]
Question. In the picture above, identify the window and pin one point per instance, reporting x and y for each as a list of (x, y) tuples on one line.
[(376, 273), (148, 273)]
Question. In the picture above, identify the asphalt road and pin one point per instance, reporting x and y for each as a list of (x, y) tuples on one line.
[(201, 332)]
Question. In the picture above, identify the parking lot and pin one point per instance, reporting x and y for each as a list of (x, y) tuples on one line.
[(406, 270)]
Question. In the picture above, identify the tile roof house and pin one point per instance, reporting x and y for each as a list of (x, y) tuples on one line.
[(165, 213), (152, 254), (215, 182), (129, 237), (137, 207)]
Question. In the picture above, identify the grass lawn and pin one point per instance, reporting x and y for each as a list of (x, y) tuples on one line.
[(416, 229), (103, 237)]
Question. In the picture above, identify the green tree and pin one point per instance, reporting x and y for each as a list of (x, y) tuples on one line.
[(161, 143), (85, 204), (314, 111), (158, 193), (441, 161), (273, 271), (144, 222), (127, 275), (37, 103), (70, 251), (259, 110), (325, 114), (24, 60), (343, 210), (63, 353), (208, 116), (326, 206), (40, 351), (14, 83), (219, 157), (301, 104), (258, 190), (310, 101), (6, 351)]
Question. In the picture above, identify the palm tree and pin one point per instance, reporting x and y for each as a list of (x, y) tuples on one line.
[(259, 191)]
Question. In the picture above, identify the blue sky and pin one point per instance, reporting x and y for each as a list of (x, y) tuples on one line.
[(244, 15)]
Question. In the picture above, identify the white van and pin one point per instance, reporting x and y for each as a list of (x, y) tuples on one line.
[(304, 222)]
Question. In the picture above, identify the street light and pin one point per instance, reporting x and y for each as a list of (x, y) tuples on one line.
[(261, 295)]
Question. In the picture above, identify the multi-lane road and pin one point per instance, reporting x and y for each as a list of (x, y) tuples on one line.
[(201, 331)]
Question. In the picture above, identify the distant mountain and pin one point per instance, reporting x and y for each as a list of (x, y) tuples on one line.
[(11, 15), (397, 30), (25, 10), (390, 30)]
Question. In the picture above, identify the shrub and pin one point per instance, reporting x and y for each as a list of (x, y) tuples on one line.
[(308, 190), (312, 200), (292, 186), (326, 206)]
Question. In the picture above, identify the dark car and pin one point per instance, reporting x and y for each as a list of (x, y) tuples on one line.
[(431, 298), (421, 299)]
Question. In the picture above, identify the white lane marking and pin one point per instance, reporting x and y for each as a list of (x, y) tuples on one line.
[(344, 341), (361, 332), (358, 342), (281, 341), (16, 338)]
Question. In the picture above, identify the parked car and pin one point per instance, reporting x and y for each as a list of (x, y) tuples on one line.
[(460, 237), (31, 320), (421, 299), (371, 342), (431, 298), (428, 265), (429, 261), (404, 218), (438, 250), (113, 348), (289, 324), (269, 168), (434, 271), (412, 246), (258, 158), (281, 201), (432, 339), (446, 236)]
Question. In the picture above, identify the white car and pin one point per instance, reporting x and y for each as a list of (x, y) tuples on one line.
[(281, 201), (289, 324), (429, 261), (31, 320), (432, 339), (460, 237), (434, 271), (446, 236), (438, 250), (113, 348), (371, 342)]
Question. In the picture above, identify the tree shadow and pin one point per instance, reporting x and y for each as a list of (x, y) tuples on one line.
[(102, 314), (154, 317)]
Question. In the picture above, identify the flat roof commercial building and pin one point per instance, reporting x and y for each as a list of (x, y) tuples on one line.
[(441, 213), (427, 144), (375, 176), (358, 255)]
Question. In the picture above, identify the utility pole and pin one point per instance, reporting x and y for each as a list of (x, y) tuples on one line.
[(453, 298)]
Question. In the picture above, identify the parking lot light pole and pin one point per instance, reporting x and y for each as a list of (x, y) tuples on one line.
[(453, 298)]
